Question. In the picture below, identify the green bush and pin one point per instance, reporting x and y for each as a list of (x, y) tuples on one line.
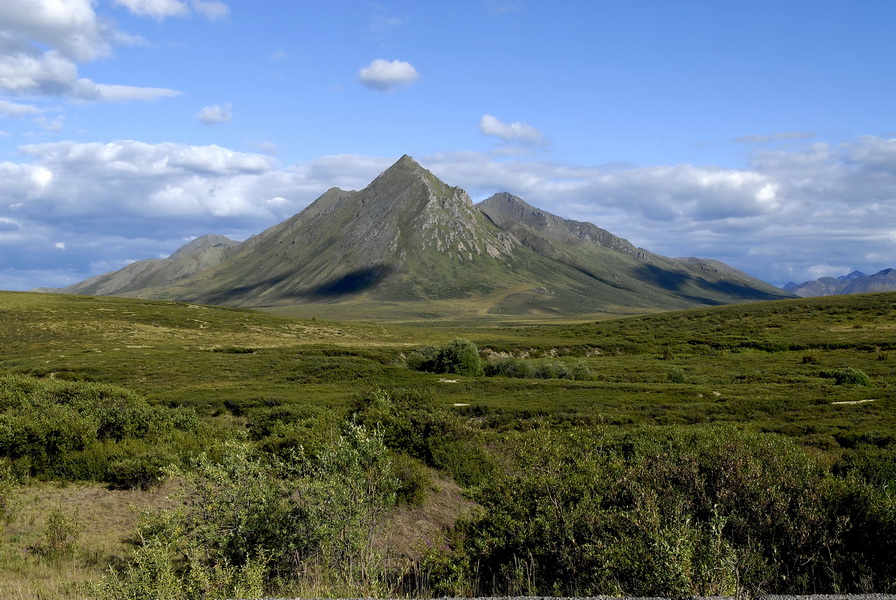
[(460, 357), (849, 376), (551, 369), (61, 535), (414, 480), (676, 375), (77, 430), (412, 423), (249, 519), (581, 372), (509, 367), (659, 512)]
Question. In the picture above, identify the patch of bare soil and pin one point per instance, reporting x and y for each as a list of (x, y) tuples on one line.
[(411, 529)]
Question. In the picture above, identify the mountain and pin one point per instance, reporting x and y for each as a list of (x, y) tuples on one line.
[(199, 254), (854, 283), (408, 237)]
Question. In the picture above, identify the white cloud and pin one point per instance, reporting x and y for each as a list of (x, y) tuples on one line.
[(778, 219), (41, 44), (385, 76), (13, 109), (53, 74), (265, 147), (216, 113), (88, 90), (70, 26), (515, 132)]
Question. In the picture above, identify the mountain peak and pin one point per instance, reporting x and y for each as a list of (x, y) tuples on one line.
[(404, 165)]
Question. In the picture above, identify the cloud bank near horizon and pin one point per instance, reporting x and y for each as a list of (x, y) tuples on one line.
[(80, 209)]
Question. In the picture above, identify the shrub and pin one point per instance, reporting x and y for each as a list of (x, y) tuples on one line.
[(77, 430), (248, 518), (658, 512), (413, 480), (850, 376), (676, 375), (552, 369), (581, 371), (461, 357), (61, 535), (509, 367), (412, 423)]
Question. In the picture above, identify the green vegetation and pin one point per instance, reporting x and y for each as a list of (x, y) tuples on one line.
[(738, 449)]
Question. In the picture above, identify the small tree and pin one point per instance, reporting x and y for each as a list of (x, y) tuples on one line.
[(460, 356)]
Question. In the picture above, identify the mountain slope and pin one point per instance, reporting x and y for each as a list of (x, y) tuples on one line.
[(198, 255), (854, 283), (408, 237), (616, 269)]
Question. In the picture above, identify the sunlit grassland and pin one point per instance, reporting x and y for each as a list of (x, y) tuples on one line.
[(763, 365)]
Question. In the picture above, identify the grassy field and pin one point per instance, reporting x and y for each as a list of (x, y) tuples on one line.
[(787, 367), (765, 365)]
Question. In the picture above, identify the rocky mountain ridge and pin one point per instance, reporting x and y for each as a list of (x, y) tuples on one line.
[(409, 237)]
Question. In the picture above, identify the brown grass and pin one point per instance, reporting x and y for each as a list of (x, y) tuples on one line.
[(106, 519)]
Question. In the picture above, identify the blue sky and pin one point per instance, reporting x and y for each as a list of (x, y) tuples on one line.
[(757, 133)]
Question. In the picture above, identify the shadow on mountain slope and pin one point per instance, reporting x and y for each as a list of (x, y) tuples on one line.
[(354, 282)]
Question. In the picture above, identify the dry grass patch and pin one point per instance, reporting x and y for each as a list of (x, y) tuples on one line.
[(101, 521)]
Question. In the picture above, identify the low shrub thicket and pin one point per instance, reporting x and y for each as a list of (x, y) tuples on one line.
[(659, 512), (252, 522), (462, 357), (414, 425), (89, 431)]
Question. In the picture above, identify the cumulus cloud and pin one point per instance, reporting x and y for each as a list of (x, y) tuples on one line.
[(385, 76), (516, 132), (211, 10), (43, 43), (216, 113), (71, 27), (787, 215), (55, 124), (128, 200), (33, 73), (784, 214)]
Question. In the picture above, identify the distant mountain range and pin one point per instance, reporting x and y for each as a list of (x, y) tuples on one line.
[(409, 237), (854, 283)]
